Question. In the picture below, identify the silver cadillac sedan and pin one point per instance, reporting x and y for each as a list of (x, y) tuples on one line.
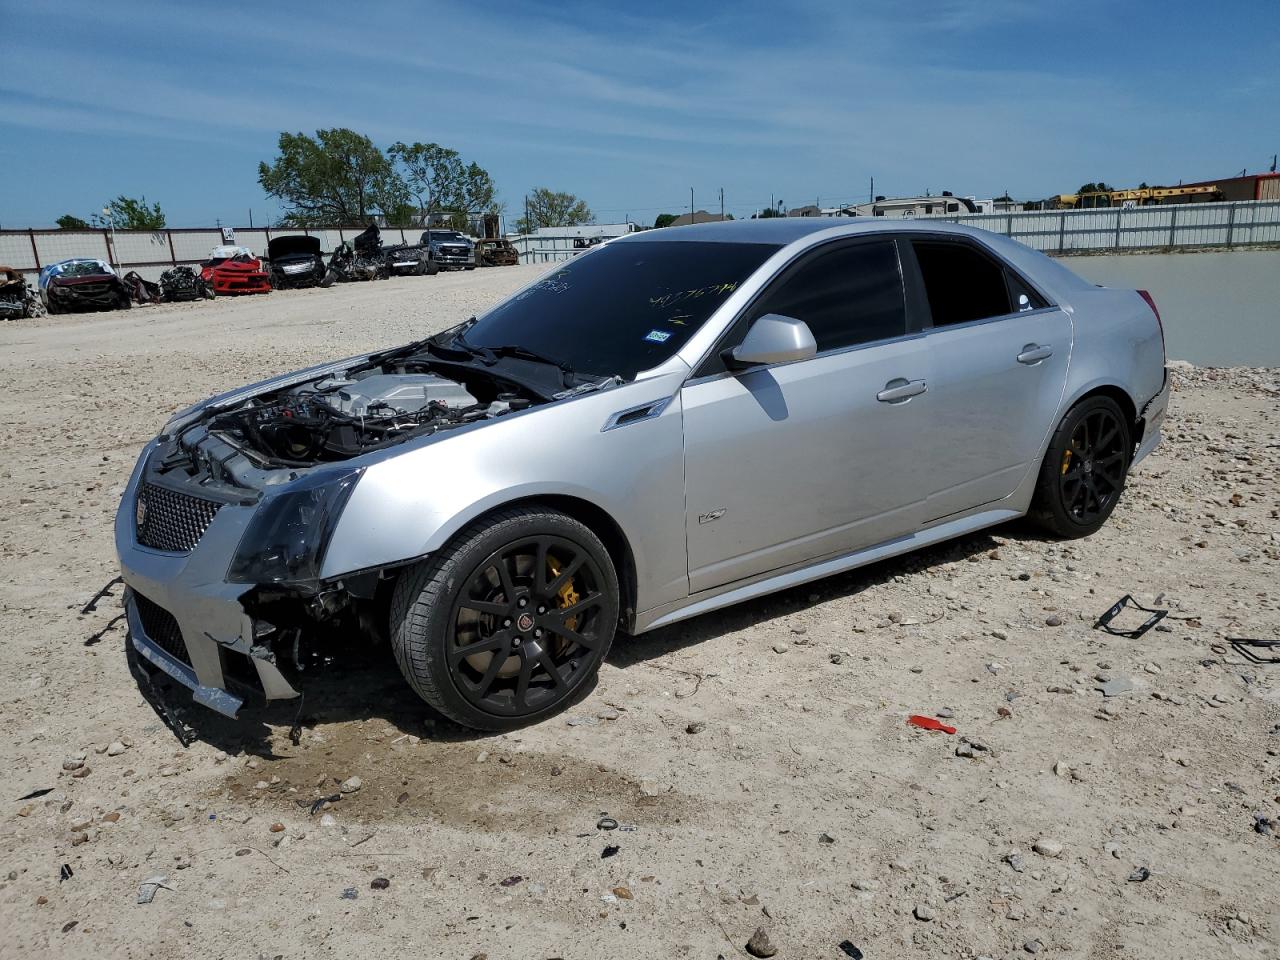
[(675, 421)]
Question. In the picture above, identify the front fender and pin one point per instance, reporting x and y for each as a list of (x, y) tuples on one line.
[(411, 503)]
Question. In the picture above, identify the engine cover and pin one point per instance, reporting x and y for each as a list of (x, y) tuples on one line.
[(408, 392)]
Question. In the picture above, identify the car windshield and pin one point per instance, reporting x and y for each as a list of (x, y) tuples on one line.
[(83, 268), (623, 307), (450, 235)]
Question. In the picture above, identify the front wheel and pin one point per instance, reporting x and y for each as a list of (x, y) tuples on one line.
[(1084, 469), (507, 624)]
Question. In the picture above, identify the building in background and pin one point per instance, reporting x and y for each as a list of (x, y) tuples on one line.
[(1253, 186), (698, 216)]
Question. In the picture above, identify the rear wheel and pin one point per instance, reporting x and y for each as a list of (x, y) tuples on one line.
[(1084, 470), (508, 624)]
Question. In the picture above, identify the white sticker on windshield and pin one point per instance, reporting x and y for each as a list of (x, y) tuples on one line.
[(658, 336)]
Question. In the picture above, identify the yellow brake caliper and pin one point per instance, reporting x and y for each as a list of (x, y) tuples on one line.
[(1066, 460), (566, 595)]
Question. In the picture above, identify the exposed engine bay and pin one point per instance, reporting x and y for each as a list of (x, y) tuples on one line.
[(338, 417)]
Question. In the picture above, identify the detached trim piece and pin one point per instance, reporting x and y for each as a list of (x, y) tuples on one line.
[(1104, 621), (637, 414)]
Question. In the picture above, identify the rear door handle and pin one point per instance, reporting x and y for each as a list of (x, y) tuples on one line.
[(900, 389), (1034, 353)]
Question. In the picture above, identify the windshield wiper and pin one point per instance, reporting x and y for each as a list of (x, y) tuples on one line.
[(524, 353), (489, 355)]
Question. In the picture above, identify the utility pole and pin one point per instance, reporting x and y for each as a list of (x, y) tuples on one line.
[(691, 205), (722, 204), (872, 196), (251, 218), (111, 219), (772, 209)]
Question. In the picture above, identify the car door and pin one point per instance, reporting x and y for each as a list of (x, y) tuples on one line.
[(790, 462), (998, 355)]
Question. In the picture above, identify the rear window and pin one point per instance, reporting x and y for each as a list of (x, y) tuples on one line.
[(962, 284), (623, 307)]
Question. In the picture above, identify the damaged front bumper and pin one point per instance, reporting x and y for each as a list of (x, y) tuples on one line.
[(185, 620)]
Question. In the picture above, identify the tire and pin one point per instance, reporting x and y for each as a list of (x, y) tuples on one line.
[(432, 268), (330, 278), (1084, 469), (514, 623), (51, 308)]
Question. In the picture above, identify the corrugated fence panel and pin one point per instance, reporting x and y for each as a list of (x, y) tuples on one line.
[(143, 248), (189, 245), (1052, 231), (15, 251), (1137, 228)]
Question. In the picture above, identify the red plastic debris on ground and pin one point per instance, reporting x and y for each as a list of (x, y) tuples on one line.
[(928, 723)]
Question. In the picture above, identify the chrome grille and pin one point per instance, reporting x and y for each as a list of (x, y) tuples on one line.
[(161, 628), (172, 521)]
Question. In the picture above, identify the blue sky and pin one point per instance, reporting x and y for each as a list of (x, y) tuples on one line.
[(631, 105)]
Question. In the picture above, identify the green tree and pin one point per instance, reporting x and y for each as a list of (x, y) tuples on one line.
[(401, 215), (433, 175), (126, 213), (1099, 187), (336, 177), (478, 191), (68, 222), (663, 220), (548, 208)]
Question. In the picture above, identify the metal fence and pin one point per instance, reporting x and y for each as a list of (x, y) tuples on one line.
[(152, 252), (1242, 223), (533, 249)]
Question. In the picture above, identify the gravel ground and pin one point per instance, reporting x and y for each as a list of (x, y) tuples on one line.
[(757, 760)]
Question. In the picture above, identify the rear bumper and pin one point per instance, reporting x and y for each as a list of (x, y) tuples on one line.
[(1153, 417), (210, 644)]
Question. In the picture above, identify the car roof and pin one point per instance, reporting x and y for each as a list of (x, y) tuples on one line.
[(784, 231)]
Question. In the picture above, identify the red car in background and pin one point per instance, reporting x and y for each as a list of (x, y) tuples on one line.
[(234, 270)]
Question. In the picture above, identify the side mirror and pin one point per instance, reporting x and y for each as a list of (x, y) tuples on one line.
[(773, 338)]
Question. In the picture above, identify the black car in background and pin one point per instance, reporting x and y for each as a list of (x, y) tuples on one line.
[(295, 261)]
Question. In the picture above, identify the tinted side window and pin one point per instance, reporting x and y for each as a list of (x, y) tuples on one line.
[(848, 296), (961, 283)]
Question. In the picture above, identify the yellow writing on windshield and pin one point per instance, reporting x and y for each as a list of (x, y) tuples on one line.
[(682, 296)]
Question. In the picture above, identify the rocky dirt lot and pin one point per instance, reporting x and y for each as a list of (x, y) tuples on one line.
[(757, 761)]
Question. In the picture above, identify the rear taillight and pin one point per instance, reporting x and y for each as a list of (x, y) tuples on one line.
[(1145, 295)]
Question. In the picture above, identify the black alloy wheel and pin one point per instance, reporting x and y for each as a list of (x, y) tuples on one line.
[(509, 623), (1084, 469), (525, 625), (1093, 465)]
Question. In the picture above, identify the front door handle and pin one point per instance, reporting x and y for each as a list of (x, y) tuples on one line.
[(1034, 353), (900, 389)]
